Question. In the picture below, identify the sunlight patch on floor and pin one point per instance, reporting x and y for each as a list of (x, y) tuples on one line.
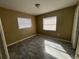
[(56, 50)]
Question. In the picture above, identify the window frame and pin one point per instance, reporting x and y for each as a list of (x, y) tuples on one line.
[(25, 19), (50, 24)]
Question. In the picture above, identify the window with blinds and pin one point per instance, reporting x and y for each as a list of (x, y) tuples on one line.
[(50, 23), (24, 22)]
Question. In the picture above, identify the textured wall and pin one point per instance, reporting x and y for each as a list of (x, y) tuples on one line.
[(65, 19), (10, 25)]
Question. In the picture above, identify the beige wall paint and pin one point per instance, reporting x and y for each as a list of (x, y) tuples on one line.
[(64, 23), (12, 33), (10, 25)]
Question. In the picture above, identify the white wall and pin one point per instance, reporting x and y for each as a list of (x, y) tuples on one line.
[(75, 29)]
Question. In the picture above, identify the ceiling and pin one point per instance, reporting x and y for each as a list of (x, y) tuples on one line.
[(28, 6)]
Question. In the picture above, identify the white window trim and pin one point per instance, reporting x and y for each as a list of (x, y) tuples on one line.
[(50, 24), (24, 25)]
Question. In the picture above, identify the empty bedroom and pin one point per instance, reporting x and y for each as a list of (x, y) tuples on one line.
[(39, 29)]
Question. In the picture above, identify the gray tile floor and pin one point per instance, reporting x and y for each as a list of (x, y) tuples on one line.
[(41, 47)]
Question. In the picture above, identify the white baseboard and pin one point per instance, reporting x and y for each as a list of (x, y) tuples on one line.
[(64, 40), (21, 40), (57, 38), (33, 36)]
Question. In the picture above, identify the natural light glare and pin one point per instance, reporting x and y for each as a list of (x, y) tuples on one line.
[(24, 22), (56, 50), (54, 45), (49, 23)]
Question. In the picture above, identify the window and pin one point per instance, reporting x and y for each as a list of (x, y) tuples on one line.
[(24, 23), (49, 23)]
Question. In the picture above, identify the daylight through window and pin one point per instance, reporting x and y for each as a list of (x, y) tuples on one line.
[(49, 23), (24, 23)]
